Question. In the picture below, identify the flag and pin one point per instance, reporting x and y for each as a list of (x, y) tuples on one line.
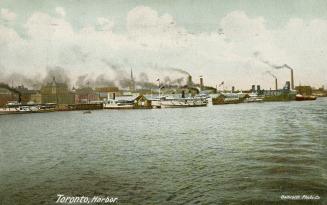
[(222, 83)]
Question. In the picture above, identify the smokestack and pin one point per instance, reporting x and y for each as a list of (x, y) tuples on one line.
[(287, 85), (276, 85), (183, 93), (201, 82), (233, 89), (292, 77), (132, 86), (258, 88), (292, 80), (189, 80), (253, 88)]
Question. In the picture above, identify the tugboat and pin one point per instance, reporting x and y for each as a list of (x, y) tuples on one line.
[(300, 97)]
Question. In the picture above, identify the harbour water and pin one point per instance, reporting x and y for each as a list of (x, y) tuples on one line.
[(231, 154)]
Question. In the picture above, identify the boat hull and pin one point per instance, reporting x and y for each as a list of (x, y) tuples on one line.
[(122, 107), (222, 101), (183, 103), (305, 98)]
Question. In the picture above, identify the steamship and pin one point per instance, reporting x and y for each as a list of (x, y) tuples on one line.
[(119, 104), (170, 102), (228, 98)]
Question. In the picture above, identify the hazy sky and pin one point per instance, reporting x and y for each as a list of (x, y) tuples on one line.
[(221, 40)]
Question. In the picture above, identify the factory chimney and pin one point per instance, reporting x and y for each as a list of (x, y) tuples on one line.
[(276, 85), (292, 77), (292, 80), (201, 82), (233, 89)]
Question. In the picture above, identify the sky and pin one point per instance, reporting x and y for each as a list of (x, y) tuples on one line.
[(221, 40)]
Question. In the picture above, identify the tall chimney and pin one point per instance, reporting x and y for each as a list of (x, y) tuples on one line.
[(233, 89), (292, 80), (201, 82), (276, 85), (253, 88), (189, 80)]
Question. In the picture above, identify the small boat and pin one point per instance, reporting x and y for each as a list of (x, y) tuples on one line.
[(300, 97), (87, 112)]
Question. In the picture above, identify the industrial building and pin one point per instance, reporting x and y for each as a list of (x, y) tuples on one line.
[(110, 92), (6, 96), (58, 93), (85, 95), (26, 94)]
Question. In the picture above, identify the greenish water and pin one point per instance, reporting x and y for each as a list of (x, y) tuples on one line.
[(231, 154)]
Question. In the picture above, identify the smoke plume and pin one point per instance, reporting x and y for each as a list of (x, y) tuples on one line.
[(268, 72), (257, 54), (58, 73)]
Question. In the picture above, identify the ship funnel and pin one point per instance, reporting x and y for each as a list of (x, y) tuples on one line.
[(183, 93)]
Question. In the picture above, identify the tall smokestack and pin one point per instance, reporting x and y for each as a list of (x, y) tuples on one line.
[(201, 82), (292, 80), (276, 85), (189, 80), (292, 77)]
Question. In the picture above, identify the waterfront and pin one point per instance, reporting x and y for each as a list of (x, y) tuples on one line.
[(233, 154)]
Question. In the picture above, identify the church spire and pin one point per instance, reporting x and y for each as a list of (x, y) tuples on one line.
[(132, 87)]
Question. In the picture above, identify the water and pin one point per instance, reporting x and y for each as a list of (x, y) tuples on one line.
[(232, 154)]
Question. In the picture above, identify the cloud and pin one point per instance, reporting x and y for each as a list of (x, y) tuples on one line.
[(8, 15), (44, 27), (154, 42), (145, 25), (60, 11)]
